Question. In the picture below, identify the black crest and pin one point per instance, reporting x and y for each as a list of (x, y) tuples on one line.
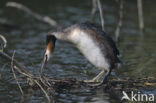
[(50, 38)]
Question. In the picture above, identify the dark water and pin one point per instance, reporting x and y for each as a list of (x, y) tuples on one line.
[(138, 52)]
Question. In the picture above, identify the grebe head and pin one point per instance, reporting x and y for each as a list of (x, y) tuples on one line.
[(50, 45)]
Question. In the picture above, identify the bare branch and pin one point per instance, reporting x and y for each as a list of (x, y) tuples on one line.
[(140, 15), (94, 8), (101, 13), (117, 31), (45, 19)]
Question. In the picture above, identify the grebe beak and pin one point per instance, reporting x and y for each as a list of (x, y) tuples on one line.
[(44, 62), (49, 51), (50, 45)]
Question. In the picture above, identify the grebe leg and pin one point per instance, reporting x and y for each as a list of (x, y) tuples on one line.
[(97, 78), (106, 76), (104, 80)]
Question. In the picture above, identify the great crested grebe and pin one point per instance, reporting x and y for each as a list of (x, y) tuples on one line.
[(93, 43)]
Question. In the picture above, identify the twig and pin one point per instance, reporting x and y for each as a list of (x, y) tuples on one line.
[(4, 44), (45, 19), (117, 31), (12, 68), (45, 81), (23, 70), (3, 67), (20, 68), (94, 8), (47, 96), (140, 15), (101, 13)]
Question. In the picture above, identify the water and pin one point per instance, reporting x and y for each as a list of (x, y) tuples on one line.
[(138, 52)]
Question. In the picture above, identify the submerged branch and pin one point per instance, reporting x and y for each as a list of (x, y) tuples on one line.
[(45, 19)]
